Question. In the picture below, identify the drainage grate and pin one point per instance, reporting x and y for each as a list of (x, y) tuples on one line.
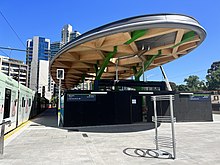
[(35, 125), (73, 130), (85, 135)]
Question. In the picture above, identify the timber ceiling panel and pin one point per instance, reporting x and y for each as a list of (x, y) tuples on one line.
[(100, 56)]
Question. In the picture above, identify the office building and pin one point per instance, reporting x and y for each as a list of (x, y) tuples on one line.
[(68, 34), (54, 48), (16, 69), (65, 33), (37, 58), (74, 35)]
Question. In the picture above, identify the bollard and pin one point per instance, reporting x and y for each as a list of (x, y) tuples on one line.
[(2, 135)]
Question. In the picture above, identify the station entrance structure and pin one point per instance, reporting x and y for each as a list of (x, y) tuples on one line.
[(89, 108), (117, 51), (103, 107)]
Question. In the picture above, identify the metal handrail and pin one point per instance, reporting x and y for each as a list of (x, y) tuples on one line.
[(6, 122), (163, 119)]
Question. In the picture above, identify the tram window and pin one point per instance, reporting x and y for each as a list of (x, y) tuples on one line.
[(7, 103), (23, 102), (29, 102)]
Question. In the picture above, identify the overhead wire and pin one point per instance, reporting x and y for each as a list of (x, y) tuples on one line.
[(18, 39), (173, 77), (4, 53), (190, 73), (12, 28)]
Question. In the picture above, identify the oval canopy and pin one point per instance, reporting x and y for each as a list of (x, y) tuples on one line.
[(126, 47)]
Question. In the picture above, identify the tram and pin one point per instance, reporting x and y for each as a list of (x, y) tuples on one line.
[(15, 102)]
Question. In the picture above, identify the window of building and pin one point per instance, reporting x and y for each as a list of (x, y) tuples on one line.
[(5, 64), (216, 98), (4, 68), (14, 65)]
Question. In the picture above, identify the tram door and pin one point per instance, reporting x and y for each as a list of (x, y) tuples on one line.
[(1, 103), (13, 111), (21, 108), (7, 104)]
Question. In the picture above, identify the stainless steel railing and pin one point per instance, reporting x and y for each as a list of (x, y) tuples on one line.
[(162, 141)]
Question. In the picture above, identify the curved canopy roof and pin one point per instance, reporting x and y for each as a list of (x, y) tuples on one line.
[(127, 47)]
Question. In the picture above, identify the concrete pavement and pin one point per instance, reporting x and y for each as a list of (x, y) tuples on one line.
[(41, 142)]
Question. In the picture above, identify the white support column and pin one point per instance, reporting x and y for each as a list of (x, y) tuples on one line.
[(116, 69), (166, 79), (155, 121), (143, 69), (172, 125)]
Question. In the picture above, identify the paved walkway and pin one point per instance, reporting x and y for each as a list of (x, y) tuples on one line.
[(41, 142)]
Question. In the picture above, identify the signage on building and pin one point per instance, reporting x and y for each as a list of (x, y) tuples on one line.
[(200, 97), (134, 101), (80, 97)]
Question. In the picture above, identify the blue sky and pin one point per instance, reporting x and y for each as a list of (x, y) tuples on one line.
[(46, 19)]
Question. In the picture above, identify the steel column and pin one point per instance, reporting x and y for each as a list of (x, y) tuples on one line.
[(135, 35), (147, 64), (105, 63)]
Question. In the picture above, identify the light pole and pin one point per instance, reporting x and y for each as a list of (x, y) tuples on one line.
[(60, 76)]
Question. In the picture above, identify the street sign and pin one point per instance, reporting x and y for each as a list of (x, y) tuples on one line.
[(60, 74)]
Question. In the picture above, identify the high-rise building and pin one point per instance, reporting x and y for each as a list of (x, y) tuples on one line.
[(65, 33), (74, 35), (54, 48), (37, 58), (16, 69)]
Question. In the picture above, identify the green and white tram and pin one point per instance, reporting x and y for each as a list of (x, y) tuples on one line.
[(15, 102)]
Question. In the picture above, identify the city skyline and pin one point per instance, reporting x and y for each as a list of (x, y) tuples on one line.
[(196, 62)]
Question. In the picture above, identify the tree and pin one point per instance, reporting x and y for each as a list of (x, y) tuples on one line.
[(193, 83), (213, 79), (173, 86), (53, 100), (182, 87)]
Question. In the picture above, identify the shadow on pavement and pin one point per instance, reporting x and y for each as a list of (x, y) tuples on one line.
[(147, 153), (114, 128), (49, 119)]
